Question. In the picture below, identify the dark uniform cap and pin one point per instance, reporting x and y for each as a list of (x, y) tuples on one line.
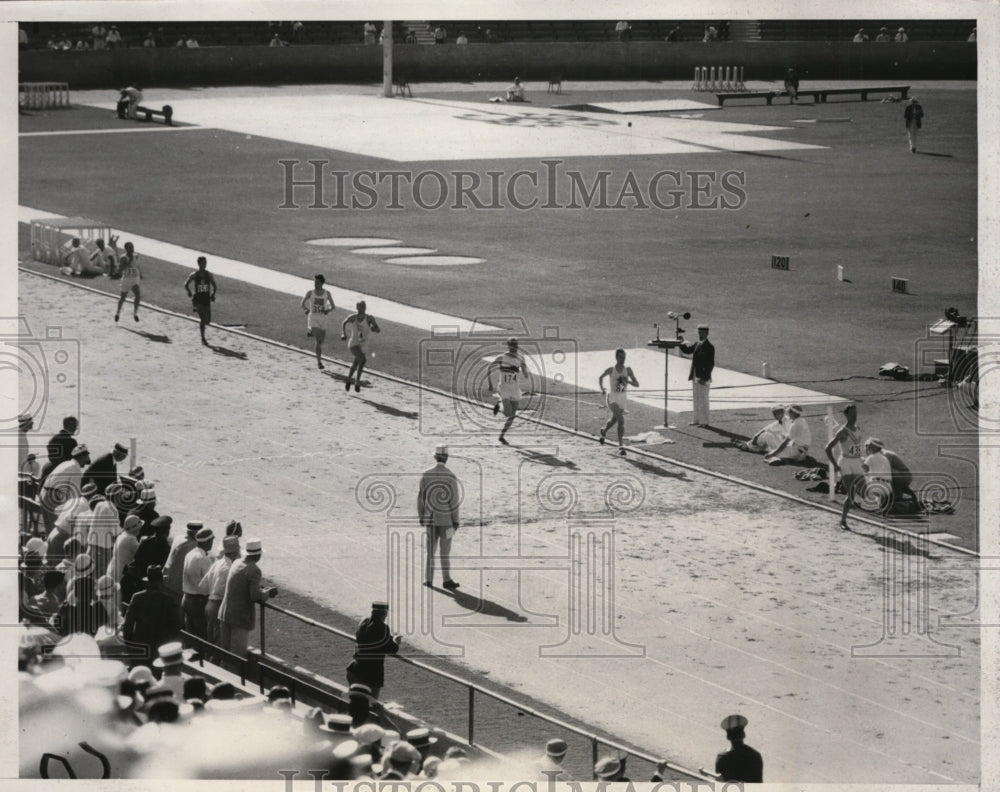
[(731, 722)]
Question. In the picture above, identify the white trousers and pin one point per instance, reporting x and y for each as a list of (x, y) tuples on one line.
[(701, 406)]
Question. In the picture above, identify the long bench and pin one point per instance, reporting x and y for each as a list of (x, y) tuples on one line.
[(148, 113), (819, 95)]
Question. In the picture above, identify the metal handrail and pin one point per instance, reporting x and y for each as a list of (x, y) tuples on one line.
[(474, 688)]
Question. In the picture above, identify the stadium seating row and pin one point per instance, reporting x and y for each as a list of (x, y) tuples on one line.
[(327, 32), (844, 29)]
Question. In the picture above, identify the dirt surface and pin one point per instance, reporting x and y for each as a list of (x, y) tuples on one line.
[(645, 599)]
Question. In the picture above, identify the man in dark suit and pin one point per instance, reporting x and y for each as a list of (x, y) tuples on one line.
[(151, 618), (61, 444), (702, 363), (374, 641), (741, 762), (104, 470), (154, 550)]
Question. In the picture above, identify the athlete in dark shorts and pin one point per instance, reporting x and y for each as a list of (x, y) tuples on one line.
[(203, 296)]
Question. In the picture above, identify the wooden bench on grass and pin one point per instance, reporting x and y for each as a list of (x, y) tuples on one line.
[(148, 113), (819, 95), (769, 95), (402, 85)]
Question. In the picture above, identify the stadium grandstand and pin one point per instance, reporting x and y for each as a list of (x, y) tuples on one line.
[(227, 565), (239, 33)]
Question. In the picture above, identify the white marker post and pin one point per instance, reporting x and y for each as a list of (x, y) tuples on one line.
[(387, 58), (831, 430)]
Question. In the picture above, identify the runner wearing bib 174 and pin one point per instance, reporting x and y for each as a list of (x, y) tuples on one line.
[(317, 304), (511, 369)]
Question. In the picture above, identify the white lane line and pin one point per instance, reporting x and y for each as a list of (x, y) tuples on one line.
[(161, 128), (419, 318)]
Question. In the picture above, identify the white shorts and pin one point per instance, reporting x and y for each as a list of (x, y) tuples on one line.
[(617, 399), (851, 466), (316, 321)]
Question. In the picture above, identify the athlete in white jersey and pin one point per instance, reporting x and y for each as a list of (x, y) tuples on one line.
[(511, 372), (359, 325), (128, 266), (852, 472), (317, 304), (620, 377)]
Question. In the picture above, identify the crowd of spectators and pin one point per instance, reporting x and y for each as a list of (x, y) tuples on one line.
[(105, 591), (102, 560)]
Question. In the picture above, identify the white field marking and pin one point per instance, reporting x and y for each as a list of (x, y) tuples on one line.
[(353, 242), (393, 251), (294, 285), (731, 390), (654, 106), (448, 130), (160, 128), (435, 261)]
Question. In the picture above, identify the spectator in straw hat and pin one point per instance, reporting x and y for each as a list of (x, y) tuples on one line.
[(369, 737), (901, 36), (215, 583), (611, 768), (104, 470), (551, 764), (63, 484), (401, 762), (741, 762), (145, 507), (103, 528), (173, 571), (195, 585), (860, 37), (422, 739), (374, 642), (170, 660), (125, 546), (437, 508), (151, 617), (243, 591), (794, 446), (883, 36)]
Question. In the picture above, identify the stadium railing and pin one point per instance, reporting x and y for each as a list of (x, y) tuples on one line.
[(473, 689)]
